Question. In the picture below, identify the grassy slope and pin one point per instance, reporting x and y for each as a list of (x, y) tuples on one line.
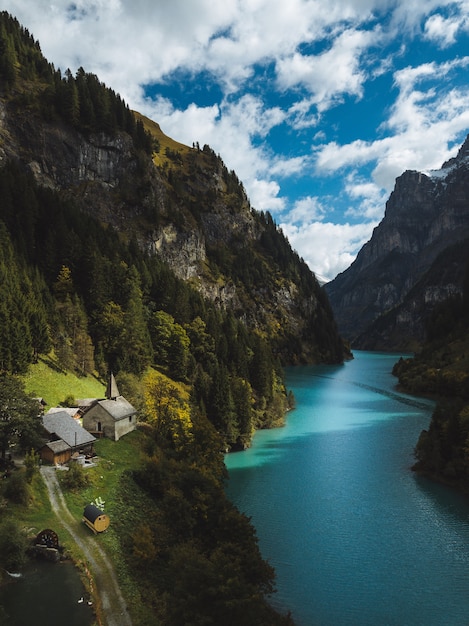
[(165, 142), (44, 380)]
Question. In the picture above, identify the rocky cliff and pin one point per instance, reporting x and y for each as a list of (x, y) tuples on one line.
[(179, 203), (414, 259)]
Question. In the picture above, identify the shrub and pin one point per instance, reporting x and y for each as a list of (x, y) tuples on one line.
[(76, 478)]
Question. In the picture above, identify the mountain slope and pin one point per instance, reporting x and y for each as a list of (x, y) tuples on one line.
[(182, 204), (414, 259)]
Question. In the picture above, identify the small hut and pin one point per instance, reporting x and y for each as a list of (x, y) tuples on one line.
[(95, 519)]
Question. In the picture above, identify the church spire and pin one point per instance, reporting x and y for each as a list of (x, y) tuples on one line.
[(112, 392)]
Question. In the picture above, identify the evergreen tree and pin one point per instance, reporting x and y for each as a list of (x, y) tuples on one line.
[(19, 421)]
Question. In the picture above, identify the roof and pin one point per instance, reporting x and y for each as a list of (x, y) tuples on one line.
[(67, 428), (72, 411), (92, 513), (86, 403), (57, 446), (118, 409)]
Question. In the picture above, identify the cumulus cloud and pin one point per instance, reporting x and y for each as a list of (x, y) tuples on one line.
[(442, 30), (328, 248), (307, 210), (331, 74), (423, 123), (287, 75)]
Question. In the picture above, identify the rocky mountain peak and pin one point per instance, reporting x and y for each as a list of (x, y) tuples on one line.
[(427, 214)]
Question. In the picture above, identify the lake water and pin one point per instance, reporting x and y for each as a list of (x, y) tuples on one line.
[(48, 594), (355, 536)]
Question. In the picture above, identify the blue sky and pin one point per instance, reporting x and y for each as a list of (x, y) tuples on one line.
[(318, 105)]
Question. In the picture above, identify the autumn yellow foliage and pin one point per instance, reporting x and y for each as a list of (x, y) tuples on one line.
[(167, 407)]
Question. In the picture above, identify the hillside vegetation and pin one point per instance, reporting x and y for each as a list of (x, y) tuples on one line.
[(122, 250), (441, 369)]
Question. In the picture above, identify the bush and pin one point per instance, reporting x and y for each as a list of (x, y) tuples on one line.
[(76, 478), (16, 488), (13, 545), (31, 463)]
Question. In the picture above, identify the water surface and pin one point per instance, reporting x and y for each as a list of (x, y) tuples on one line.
[(47, 594), (355, 537)]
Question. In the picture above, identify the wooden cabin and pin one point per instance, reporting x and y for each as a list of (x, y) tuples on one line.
[(56, 452), (95, 519)]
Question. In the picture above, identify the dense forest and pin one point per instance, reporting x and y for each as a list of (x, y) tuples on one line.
[(441, 370), (77, 290), (86, 297)]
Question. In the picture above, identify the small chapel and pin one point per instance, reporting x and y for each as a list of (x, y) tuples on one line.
[(112, 417)]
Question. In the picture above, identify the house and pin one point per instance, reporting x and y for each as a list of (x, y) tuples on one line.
[(66, 436), (56, 452), (113, 417)]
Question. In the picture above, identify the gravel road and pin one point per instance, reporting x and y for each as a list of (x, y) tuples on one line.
[(114, 610)]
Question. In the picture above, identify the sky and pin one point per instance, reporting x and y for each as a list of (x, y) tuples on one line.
[(317, 105)]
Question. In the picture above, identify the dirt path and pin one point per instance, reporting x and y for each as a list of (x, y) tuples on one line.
[(114, 610)]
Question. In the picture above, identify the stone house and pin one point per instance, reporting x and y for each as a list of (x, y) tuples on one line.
[(113, 417)]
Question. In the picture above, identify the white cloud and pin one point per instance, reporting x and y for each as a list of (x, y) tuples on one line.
[(423, 125), (332, 74), (442, 30), (284, 167), (306, 210), (368, 199), (328, 248)]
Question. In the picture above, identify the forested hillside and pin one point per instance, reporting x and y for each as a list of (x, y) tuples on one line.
[(122, 250), (442, 370), (92, 277)]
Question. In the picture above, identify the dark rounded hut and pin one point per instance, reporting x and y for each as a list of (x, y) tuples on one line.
[(95, 519)]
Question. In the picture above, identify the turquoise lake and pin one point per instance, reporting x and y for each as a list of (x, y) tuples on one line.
[(355, 536)]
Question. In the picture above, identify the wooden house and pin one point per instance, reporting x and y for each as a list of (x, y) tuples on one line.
[(95, 519), (66, 436), (113, 417), (56, 452)]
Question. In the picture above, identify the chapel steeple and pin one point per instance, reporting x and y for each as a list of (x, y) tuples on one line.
[(112, 392)]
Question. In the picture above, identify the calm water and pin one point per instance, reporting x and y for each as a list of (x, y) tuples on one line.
[(46, 595), (355, 537)]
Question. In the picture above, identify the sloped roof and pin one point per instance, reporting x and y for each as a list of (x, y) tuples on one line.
[(57, 446), (72, 411), (86, 403), (67, 428), (92, 512), (118, 409)]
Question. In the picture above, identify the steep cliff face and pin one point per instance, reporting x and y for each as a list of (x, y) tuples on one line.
[(413, 260), (183, 205)]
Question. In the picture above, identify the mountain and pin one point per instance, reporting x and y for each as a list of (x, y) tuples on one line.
[(180, 203), (123, 249), (415, 259), (441, 369)]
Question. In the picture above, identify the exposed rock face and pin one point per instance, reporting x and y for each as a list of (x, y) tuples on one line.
[(426, 216), (188, 210)]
